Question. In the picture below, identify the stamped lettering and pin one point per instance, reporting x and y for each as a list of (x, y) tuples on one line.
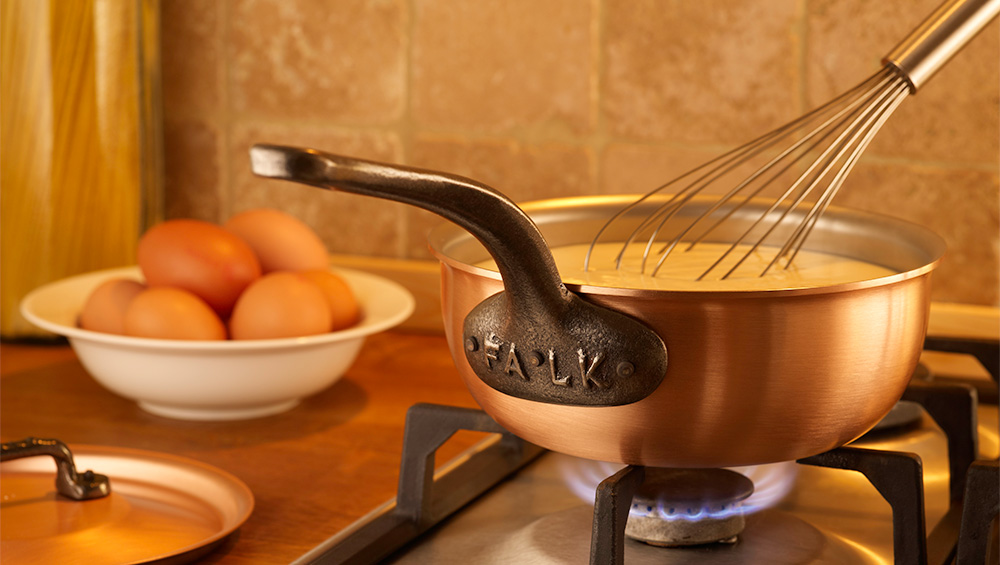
[(513, 366), (573, 354), (584, 373), (556, 379), (491, 348), (587, 374)]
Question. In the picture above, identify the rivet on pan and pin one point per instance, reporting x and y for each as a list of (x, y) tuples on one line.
[(536, 359), (471, 344), (625, 369)]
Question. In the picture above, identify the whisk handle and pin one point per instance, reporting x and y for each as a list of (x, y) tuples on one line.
[(939, 37)]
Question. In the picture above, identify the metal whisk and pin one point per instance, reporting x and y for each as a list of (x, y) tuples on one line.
[(804, 161)]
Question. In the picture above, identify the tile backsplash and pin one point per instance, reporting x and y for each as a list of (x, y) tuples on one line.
[(547, 98)]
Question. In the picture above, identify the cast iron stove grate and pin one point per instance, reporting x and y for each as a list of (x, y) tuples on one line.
[(961, 537)]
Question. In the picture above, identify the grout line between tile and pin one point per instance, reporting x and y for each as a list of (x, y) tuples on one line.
[(225, 114), (404, 127), (599, 139), (983, 167), (802, 29)]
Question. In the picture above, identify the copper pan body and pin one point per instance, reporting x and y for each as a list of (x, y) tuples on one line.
[(753, 376)]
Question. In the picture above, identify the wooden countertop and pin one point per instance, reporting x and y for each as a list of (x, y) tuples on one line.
[(313, 470)]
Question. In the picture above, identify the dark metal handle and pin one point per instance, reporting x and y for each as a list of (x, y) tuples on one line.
[(503, 228), (69, 483), (536, 340)]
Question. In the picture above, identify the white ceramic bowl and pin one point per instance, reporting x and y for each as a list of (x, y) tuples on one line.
[(214, 380)]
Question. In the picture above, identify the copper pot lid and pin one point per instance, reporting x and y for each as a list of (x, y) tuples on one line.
[(161, 508)]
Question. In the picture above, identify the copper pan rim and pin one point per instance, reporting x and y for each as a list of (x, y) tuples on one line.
[(715, 293), (935, 246)]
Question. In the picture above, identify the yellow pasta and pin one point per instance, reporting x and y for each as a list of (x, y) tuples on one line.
[(76, 135)]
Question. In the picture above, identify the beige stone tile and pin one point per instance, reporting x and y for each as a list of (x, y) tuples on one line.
[(959, 205), (637, 169), (191, 169), (505, 93), (500, 65), (347, 223), (955, 117), (419, 224), (734, 175), (341, 61), (190, 58), (710, 71), (522, 172)]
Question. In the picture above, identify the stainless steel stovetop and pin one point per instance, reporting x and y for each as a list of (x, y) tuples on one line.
[(544, 512), (827, 516)]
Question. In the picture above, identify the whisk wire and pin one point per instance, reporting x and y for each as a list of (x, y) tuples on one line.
[(849, 129), (851, 120), (689, 192), (738, 157), (727, 162), (805, 138), (774, 206), (829, 126), (802, 232), (733, 158)]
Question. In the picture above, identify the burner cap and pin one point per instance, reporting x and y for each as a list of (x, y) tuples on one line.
[(903, 415), (677, 507)]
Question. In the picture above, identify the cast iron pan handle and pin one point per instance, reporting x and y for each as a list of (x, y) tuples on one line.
[(535, 340), (69, 483)]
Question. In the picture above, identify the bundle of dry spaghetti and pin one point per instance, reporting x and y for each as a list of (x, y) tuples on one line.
[(77, 162)]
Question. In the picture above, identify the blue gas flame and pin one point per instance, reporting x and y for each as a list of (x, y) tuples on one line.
[(772, 482)]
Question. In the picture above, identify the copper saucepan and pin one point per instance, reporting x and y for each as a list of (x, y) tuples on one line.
[(751, 377)]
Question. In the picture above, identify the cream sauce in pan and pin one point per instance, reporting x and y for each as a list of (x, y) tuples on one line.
[(683, 267)]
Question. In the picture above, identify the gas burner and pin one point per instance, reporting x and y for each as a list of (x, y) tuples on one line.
[(771, 536), (903, 416), (683, 507), (509, 524)]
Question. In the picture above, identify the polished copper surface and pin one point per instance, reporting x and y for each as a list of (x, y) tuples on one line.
[(161, 507), (753, 376)]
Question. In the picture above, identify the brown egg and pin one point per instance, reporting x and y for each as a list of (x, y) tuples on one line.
[(104, 310), (344, 308), (172, 313), (199, 257), (282, 242), (282, 304)]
